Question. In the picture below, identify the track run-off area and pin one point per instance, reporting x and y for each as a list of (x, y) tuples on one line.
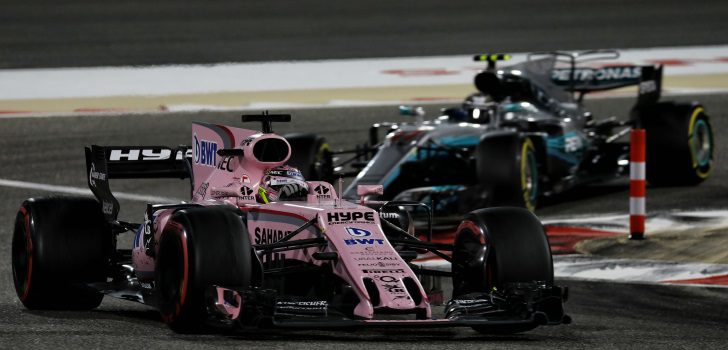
[(308, 84)]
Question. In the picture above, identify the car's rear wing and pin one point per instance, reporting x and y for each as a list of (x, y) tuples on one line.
[(582, 80), (132, 162)]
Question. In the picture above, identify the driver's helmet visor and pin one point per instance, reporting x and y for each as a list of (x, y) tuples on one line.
[(275, 183)]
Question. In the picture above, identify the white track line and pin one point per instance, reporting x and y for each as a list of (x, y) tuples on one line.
[(594, 268), (84, 191), (633, 270)]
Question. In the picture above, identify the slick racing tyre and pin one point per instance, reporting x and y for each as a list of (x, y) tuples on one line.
[(498, 246), (679, 143), (495, 246), (60, 246), (310, 154), (508, 164), (199, 247)]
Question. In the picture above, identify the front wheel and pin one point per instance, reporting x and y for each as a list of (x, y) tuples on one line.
[(310, 154), (199, 247), (498, 247)]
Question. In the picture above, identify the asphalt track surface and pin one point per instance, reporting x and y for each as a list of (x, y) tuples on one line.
[(606, 315), (87, 33), (47, 33)]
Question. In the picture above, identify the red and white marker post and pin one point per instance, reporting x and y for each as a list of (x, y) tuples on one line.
[(637, 173)]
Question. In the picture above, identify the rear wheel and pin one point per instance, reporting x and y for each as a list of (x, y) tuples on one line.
[(309, 154), (679, 144), (495, 247), (60, 246), (200, 247)]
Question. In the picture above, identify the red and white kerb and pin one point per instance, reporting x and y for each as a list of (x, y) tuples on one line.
[(637, 182)]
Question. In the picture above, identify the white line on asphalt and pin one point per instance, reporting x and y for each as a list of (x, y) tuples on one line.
[(594, 268), (84, 191), (633, 270)]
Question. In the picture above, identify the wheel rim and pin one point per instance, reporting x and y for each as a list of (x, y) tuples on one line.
[(22, 255), (701, 143), (472, 277), (529, 175)]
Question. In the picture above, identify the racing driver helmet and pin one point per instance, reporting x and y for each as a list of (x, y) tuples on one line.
[(282, 183)]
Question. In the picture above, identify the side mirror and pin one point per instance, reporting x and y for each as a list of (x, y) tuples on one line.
[(411, 111), (417, 112), (363, 190)]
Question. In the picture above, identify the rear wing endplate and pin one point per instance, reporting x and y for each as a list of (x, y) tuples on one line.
[(132, 162)]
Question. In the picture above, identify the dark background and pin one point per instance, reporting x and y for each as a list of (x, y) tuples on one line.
[(48, 33)]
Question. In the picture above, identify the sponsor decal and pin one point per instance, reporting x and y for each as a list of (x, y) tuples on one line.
[(107, 207), (245, 178), (182, 154), (131, 154), (377, 258), (205, 152), (393, 288), (147, 227), (358, 232), (383, 271), (391, 284), (316, 303), (389, 215), (600, 74), (285, 173), (379, 264), (350, 217), (317, 306), (322, 191), (388, 279), (246, 142), (470, 301), (225, 164), (220, 194), (95, 175), (363, 241), (202, 190), (246, 193), (146, 285), (268, 235), (647, 87), (572, 144)]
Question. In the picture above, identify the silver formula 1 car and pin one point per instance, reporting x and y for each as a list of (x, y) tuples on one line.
[(234, 256), (524, 135)]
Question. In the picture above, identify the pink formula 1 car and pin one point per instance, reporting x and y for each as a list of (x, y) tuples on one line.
[(238, 256)]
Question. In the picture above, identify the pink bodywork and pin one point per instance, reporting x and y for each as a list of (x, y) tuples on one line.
[(352, 230)]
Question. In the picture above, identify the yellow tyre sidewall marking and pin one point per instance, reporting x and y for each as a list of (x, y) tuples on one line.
[(525, 146), (691, 144)]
